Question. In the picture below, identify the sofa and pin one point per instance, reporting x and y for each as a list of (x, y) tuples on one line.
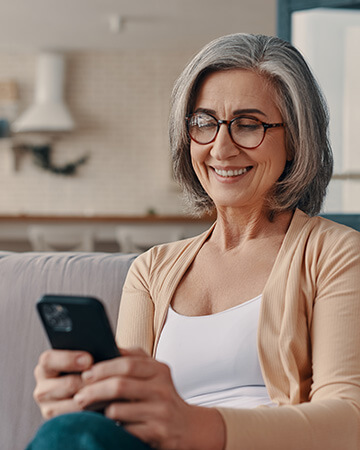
[(24, 278)]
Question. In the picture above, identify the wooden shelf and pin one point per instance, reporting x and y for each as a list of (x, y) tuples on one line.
[(105, 219)]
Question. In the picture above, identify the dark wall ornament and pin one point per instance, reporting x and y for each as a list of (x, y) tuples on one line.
[(42, 155)]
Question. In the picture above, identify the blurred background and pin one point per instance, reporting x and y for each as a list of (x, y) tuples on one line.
[(100, 159), (84, 100), (121, 59)]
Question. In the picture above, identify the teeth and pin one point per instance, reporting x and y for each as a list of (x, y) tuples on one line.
[(231, 173)]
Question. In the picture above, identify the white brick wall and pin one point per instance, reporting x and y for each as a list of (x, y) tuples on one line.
[(110, 94)]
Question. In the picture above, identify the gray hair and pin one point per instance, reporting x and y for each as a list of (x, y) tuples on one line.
[(304, 181)]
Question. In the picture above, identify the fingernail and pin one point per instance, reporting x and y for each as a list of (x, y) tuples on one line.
[(87, 375), (80, 399), (83, 361)]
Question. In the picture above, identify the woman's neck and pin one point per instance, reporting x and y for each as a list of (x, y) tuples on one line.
[(234, 226)]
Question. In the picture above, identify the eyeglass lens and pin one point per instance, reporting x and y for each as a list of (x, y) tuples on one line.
[(245, 131)]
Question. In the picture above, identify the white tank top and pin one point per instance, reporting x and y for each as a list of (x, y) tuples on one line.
[(214, 359)]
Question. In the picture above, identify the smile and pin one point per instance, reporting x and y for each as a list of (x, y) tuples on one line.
[(232, 173)]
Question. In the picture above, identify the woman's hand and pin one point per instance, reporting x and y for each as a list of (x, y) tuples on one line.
[(54, 392), (143, 398)]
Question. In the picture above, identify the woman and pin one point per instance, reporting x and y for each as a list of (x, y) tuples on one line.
[(261, 310)]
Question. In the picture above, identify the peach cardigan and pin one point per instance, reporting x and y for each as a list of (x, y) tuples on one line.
[(308, 339)]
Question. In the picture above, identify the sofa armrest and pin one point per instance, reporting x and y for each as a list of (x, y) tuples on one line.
[(24, 278)]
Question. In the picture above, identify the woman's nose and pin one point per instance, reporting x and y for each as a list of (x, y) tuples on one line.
[(223, 147)]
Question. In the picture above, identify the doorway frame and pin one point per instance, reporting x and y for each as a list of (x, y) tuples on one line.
[(285, 8)]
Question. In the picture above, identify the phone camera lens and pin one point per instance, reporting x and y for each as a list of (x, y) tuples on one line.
[(57, 317)]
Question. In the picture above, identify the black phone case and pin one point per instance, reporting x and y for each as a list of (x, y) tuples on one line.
[(78, 323)]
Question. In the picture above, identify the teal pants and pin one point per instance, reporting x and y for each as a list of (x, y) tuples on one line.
[(84, 431)]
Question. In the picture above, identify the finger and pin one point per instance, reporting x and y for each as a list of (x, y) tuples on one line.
[(135, 366), (136, 417), (116, 388), (135, 351), (52, 409), (53, 362), (134, 412), (51, 389)]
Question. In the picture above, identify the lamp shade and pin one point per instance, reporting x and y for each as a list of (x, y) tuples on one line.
[(49, 112)]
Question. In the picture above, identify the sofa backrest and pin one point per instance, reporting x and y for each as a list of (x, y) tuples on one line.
[(24, 278)]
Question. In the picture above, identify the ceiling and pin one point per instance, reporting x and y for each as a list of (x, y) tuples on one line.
[(128, 24)]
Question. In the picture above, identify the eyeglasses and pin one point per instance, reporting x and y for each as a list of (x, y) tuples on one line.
[(246, 132)]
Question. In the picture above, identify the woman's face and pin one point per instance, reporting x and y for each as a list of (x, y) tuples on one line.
[(236, 177)]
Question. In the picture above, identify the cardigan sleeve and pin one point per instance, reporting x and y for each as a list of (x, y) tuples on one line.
[(135, 322), (331, 418)]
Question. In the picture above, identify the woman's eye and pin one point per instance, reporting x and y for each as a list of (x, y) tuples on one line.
[(246, 124), (203, 122), (207, 125)]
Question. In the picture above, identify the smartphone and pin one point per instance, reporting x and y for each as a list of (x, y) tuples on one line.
[(78, 323)]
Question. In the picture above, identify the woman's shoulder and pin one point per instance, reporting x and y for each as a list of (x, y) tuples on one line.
[(323, 226), (324, 236), (178, 247), (169, 255)]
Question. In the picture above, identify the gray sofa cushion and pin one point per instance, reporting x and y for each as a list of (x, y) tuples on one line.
[(24, 277)]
